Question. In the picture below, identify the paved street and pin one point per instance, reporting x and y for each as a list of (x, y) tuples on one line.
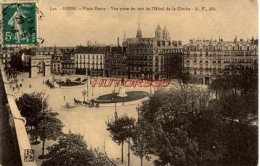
[(89, 122)]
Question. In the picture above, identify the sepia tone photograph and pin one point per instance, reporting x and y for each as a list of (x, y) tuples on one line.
[(129, 83)]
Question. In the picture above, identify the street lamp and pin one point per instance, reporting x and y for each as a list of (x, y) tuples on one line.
[(87, 88), (138, 112), (115, 105), (84, 94), (43, 118), (128, 151), (91, 85)]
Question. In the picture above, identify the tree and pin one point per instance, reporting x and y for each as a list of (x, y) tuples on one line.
[(31, 106), (34, 107), (241, 141), (183, 77), (217, 86), (70, 150), (141, 140), (50, 128), (236, 79), (16, 62), (238, 90), (189, 128), (172, 115), (120, 130)]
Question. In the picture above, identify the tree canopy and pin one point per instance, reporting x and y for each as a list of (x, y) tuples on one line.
[(70, 150), (188, 127), (121, 129)]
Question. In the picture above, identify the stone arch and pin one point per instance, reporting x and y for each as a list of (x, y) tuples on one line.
[(40, 65)]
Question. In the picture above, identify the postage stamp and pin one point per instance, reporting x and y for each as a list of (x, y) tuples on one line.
[(19, 22)]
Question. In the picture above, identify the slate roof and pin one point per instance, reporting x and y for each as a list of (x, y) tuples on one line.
[(92, 50)]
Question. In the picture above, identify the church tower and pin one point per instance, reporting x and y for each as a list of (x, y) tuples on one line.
[(165, 34), (139, 32), (158, 33)]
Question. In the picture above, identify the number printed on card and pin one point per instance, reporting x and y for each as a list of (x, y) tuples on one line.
[(28, 155)]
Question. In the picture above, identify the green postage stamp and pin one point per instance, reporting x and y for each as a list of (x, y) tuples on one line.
[(19, 22)]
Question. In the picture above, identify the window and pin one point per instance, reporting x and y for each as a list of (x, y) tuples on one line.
[(195, 72)]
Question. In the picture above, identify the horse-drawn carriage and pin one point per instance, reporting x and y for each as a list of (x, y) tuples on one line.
[(86, 103)]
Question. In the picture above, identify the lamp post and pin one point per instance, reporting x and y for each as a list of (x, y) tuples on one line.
[(128, 151), (115, 105), (43, 117), (87, 88), (91, 85), (138, 112), (84, 94)]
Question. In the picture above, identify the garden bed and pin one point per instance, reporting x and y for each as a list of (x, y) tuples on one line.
[(62, 83), (131, 96)]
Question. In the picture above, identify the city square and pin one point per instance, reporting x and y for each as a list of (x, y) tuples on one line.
[(90, 122)]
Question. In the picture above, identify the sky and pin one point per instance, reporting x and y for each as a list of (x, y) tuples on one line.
[(70, 28)]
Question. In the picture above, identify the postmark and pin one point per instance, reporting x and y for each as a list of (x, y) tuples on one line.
[(19, 21), (28, 155)]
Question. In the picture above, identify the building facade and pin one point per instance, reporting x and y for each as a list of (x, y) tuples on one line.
[(115, 62), (56, 64), (205, 59), (64, 58), (67, 66), (5, 56), (153, 58), (90, 60)]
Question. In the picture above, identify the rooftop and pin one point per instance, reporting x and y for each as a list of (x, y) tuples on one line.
[(92, 50)]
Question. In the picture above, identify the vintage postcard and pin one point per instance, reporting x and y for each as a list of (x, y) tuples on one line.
[(130, 83)]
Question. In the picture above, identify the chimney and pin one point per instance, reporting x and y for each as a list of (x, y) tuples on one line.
[(118, 42)]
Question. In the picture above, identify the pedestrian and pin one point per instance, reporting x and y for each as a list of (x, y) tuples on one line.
[(64, 98)]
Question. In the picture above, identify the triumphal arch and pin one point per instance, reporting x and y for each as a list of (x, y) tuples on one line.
[(40, 65)]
